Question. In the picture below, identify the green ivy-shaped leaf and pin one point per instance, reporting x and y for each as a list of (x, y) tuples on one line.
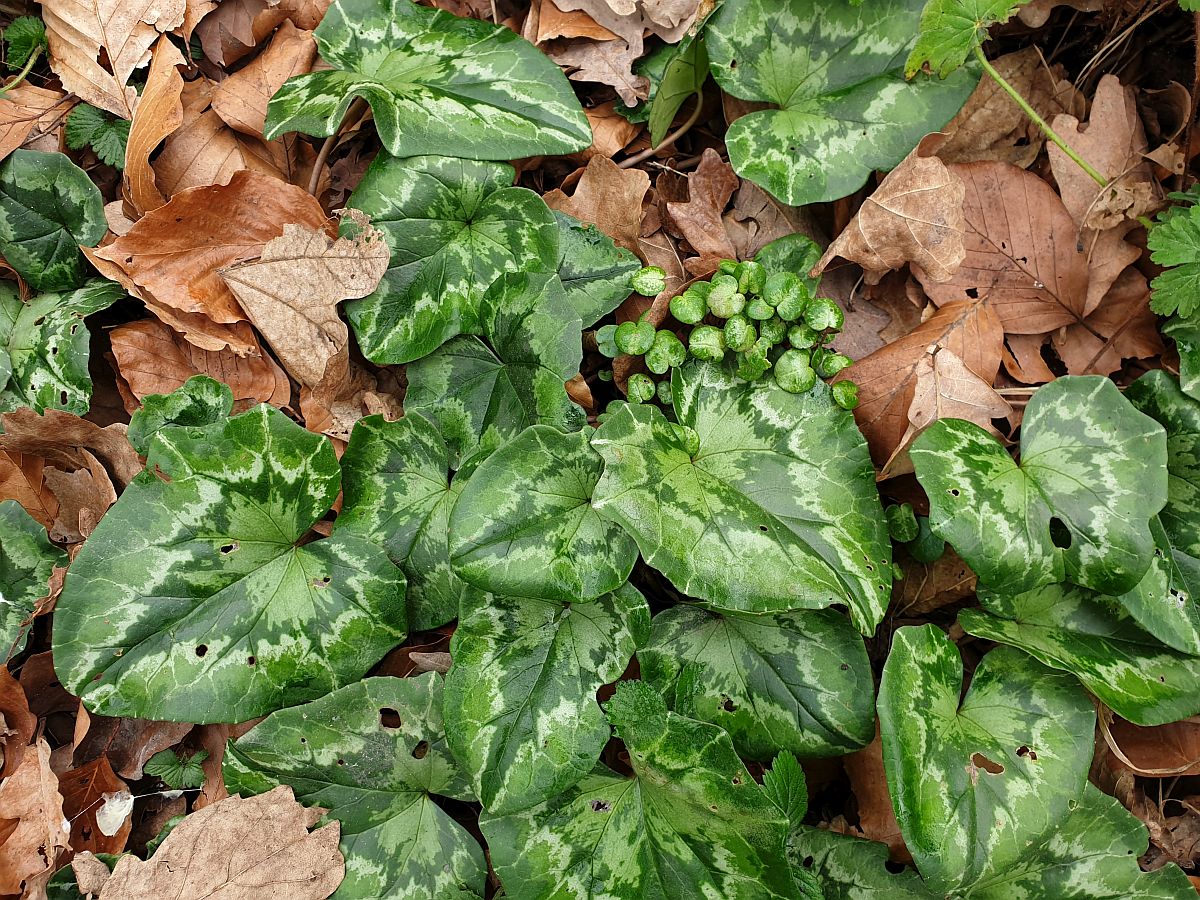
[(799, 682), (974, 782), (373, 754), (851, 868), (1096, 639), (435, 82), (835, 72), (593, 270), (27, 559), (481, 391), (453, 227), (1093, 473), (197, 402), (194, 600), (776, 510), (49, 208), (521, 711), (44, 346), (1186, 335), (692, 823), (397, 493), (951, 30)]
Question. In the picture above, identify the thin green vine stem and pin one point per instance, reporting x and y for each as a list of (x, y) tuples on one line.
[(1038, 120), (37, 51)]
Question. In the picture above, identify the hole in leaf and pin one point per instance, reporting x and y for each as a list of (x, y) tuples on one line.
[(1025, 751), (321, 582), (894, 867), (845, 667), (54, 351), (341, 762), (202, 649), (230, 547), (62, 396), (973, 293), (982, 762), (954, 492), (728, 705), (713, 807), (251, 660), (736, 780), (601, 806), (420, 751), (1060, 534), (389, 718), (304, 740), (808, 862), (762, 527)]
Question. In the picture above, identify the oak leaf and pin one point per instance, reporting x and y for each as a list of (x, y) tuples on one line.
[(31, 796), (699, 218), (84, 495), (1122, 327)]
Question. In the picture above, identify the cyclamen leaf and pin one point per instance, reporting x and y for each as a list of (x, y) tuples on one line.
[(49, 208), (799, 682), (373, 754), (951, 29), (525, 526), (192, 602), (693, 823), (1090, 462), (777, 510), (851, 868), (593, 270), (197, 402), (1186, 335), (434, 82), (1174, 241), (27, 559), (453, 227), (521, 711), (835, 72), (45, 346), (974, 782)]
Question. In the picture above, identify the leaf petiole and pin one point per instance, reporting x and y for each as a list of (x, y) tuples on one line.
[(28, 67)]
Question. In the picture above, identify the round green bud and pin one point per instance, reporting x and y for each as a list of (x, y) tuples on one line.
[(751, 276), (634, 338), (727, 267), (901, 522), (845, 394), (707, 342), (606, 341), (773, 330), (822, 314), (832, 363), (639, 388), (663, 392), (740, 334), (759, 309), (687, 437), (666, 351), (926, 547), (689, 307), (802, 337), (649, 281), (793, 373)]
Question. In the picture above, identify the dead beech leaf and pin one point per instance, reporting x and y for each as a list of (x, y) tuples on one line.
[(119, 32), (17, 723), (305, 14), (235, 28), (22, 478), (238, 849), (608, 197), (90, 795), (1173, 748), (241, 99), (1021, 258), (59, 437), (158, 114), (31, 795), (27, 110), (84, 495), (876, 818), (1122, 327), (915, 215), (929, 586), (699, 219)]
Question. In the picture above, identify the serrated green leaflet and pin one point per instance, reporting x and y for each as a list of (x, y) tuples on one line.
[(787, 787), (1092, 474), (373, 754), (851, 868), (521, 711), (777, 509), (1175, 244), (483, 390), (973, 783), (49, 208), (435, 82), (26, 560), (397, 493), (453, 227), (175, 770), (44, 345), (799, 682), (191, 600), (105, 133), (1094, 638), (951, 29), (593, 270), (197, 402), (525, 525), (693, 823), (836, 73)]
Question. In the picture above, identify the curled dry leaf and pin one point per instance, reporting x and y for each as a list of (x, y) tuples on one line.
[(31, 796), (22, 478), (92, 796), (84, 495), (546, 22), (236, 27), (241, 99), (699, 218), (17, 723), (26, 111), (239, 850), (1157, 751), (608, 197), (59, 437), (158, 114)]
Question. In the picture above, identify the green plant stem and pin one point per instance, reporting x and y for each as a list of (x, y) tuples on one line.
[(1038, 120), (37, 51)]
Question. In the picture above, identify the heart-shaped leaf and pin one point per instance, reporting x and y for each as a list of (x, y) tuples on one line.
[(521, 711), (453, 227), (373, 754), (777, 509), (951, 29), (397, 492), (799, 682), (192, 600), (26, 560), (973, 782), (1094, 638), (1093, 472), (525, 525), (483, 391), (693, 823), (851, 868), (835, 72), (197, 402), (45, 346), (49, 208), (594, 271), (435, 82)]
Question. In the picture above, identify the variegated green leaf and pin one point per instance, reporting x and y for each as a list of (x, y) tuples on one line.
[(693, 823), (49, 208), (1093, 473), (525, 526), (453, 227), (951, 29), (777, 510), (594, 271), (373, 754), (796, 253), (521, 711), (197, 402), (799, 682), (483, 391), (835, 72), (851, 868), (974, 782), (44, 345), (397, 492), (1186, 335), (1094, 638), (193, 600), (26, 560), (435, 82)]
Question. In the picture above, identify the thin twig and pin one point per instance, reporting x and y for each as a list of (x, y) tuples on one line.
[(669, 139), (352, 112)]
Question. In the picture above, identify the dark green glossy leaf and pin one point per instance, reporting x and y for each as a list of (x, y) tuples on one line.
[(685, 74), (27, 559), (594, 271), (197, 402), (1186, 335), (851, 868)]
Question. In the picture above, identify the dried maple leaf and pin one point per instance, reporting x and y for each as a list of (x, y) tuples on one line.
[(31, 795), (98, 805), (241, 99), (608, 197), (699, 219), (158, 114)]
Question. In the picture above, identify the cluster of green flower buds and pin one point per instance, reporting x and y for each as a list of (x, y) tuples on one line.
[(770, 322)]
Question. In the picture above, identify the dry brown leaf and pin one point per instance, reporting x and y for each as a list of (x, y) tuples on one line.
[(1023, 358), (84, 495), (95, 45), (699, 219), (1174, 748), (546, 22), (876, 818), (127, 743), (31, 795), (26, 110), (611, 131), (98, 805), (59, 437), (22, 478), (194, 11), (344, 396), (603, 62), (158, 114), (1122, 327), (929, 586), (1021, 253), (915, 215), (305, 14), (608, 197), (90, 873), (238, 849), (235, 28), (755, 218), (17, 723), (1035, 13), (241, 99)]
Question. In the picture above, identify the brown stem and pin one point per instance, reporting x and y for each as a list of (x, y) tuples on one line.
[(352, 112), (669, 139)]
